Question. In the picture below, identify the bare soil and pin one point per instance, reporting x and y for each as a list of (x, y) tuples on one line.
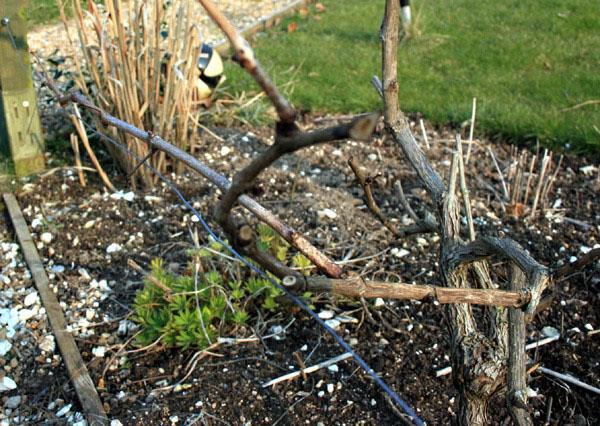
[(406, 342)]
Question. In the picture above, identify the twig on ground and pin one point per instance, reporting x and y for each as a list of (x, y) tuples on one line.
[(569, 379), (582, 104), (308, 370), (365, 182), (133, 265), (582, 262), (533, 345)]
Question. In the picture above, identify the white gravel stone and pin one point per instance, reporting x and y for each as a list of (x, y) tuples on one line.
[(328, 213), (330, 387), (379, 302), (31, 299), (35, 223), (63, 411), (333, 323), (48, 344), (327, 314), (333, 368), (120, 195), (46, 238), (347, 319), (13, 402), (399, 252), (550, 331), (99, 351), (5, 346), (7, 384), (225, 151), (277, 331), (116, 422), (57, 269), (26, 314), (589, 327), (113, 248)]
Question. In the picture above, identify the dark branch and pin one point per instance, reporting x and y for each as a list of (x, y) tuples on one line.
[(244, 55), (578, 265), (360, 128), (421, 226), (538, 276)]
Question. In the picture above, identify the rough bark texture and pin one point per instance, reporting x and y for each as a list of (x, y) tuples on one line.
[(479, 351)]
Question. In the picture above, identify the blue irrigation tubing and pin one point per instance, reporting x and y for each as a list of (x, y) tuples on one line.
[(399, 401)]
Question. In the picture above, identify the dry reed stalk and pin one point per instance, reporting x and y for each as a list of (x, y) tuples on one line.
[(141, 59), (75, 147), (79, 126), (530, 182)]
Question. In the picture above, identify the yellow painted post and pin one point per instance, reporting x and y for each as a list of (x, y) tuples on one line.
[(21, 140)]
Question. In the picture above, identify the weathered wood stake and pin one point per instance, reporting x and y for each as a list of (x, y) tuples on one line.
[(21, 141)]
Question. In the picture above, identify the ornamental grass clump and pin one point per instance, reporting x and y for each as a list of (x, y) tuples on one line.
[(137, 60)]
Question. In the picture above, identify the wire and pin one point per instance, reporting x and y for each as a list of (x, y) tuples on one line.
[(399, 401)]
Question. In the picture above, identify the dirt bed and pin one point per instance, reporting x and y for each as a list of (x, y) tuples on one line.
[(92, 234)]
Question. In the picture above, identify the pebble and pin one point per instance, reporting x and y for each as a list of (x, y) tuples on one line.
[(379, 302), (372, 157), (57, 269), (36, 223), (347, 319), (328, 213), (327, 314), (90, 314), (333, 368), (399, 252), (113, 248), (277, 331), (63, 411), (589, 327), (31, 299), (321, 394), (333, 323), (5, 346), (120, 195), (25, 314), (13, 402), (304, 348), (46, 238), (549, 331), (99, 351), (330, 387), (116, 422), (48, 344), (6, 384), (225, 151)]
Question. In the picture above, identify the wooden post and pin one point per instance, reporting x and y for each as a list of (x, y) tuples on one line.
[(20, 129)]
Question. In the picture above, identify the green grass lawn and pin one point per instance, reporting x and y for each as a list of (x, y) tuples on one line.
[(526, 62)]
